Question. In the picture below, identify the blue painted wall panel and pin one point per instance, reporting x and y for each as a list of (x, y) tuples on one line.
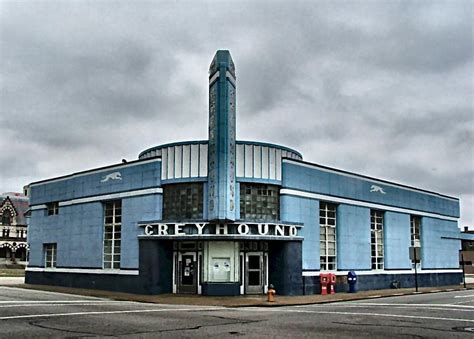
[(78, 232), (136, 177), (337, 184), (305, 211), (136, 209), (397, 240), (353, 238), (437, 252)]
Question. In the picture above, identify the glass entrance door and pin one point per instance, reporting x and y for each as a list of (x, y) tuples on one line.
[(187, 273), (254, 273)]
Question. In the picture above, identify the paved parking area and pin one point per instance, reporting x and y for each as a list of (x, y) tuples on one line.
[(32, 313)]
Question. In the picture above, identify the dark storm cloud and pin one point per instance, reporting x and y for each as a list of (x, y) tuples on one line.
[(383, 89)]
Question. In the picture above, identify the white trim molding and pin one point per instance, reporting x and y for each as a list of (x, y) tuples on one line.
[(376, 272), (148, 191), (329, 198), (81, 270), (38, 207)]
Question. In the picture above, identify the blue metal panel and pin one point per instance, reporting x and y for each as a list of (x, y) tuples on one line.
[(306, 211), (397, 240), (221, 159), (77, 230), (326, 182), (353, 238), (136, 209), (259, 180), (138, 176), (436, 250)]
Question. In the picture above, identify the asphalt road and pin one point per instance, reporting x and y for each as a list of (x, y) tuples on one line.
[(30, 313)]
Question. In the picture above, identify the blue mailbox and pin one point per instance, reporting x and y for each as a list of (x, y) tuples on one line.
[(352, 280)]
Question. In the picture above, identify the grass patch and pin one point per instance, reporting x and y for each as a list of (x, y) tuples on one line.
[(12, 272)]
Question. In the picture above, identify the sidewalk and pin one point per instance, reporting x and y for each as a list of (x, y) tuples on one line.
[(242, 301)]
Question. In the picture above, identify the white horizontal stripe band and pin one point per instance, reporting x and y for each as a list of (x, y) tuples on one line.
[(330, 198), (111, 196), (81, 270), (38, 207), (214, 77), (359, 273), (313, 166), (109, 169)]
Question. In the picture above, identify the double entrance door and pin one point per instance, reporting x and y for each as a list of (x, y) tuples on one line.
[(253, 271)]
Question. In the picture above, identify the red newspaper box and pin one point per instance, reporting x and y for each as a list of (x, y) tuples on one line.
[(324, 280)]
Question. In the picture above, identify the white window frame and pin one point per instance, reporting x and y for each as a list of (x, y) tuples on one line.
[(112, 235), (327, 230), (52, 249), (52, 208), (377, 239)]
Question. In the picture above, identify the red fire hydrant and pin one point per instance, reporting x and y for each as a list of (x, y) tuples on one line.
[(271, 293)]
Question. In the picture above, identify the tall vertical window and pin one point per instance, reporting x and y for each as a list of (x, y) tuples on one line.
[(376, 230), (50, 253), (327, 231), (415, 226), (112, 233)]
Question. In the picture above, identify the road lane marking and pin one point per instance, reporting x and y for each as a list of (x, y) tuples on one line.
[(92, 303), (45, 315), (417, 305), (53, 301), (464, 296), (439, 308), (366, 314), (24, 290), (464, 302)]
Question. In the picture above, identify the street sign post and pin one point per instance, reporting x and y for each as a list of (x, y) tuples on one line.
[(415, 257)]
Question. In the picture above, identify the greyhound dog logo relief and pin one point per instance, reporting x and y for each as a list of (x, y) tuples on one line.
[(112, 176), (378, 189)]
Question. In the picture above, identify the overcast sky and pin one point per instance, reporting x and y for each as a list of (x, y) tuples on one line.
[(379, 88)]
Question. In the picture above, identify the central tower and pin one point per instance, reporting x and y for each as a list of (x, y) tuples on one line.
[(221, 157)]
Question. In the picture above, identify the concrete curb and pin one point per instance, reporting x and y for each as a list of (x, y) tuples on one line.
[(242, 301)]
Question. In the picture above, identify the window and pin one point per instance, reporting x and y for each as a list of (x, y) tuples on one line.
[(112, 233), (327, 233), (183, 201), (415, 225), (50, 254), (376, 230), (5, 232), (259, 202), (53, 208), (7, 218)]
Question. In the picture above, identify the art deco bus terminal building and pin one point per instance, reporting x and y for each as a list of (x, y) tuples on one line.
[(229, 217)]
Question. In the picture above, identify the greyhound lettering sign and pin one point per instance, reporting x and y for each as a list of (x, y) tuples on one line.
[(208, 229)]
